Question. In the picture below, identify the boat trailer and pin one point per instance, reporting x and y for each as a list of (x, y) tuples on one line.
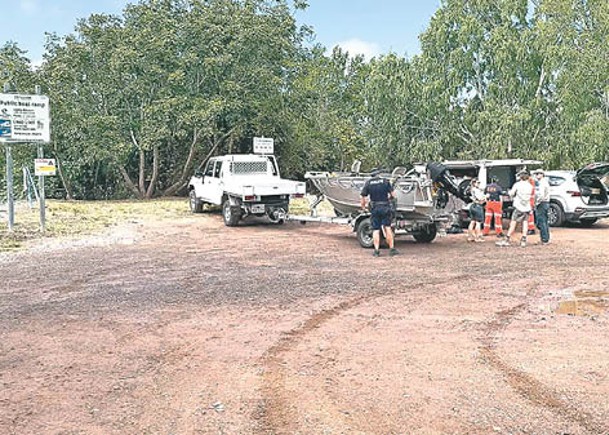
[(423, 231)]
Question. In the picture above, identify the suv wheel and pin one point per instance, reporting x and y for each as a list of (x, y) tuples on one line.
[(556, 215)]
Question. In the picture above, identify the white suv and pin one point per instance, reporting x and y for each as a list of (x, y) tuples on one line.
[(579, 196)]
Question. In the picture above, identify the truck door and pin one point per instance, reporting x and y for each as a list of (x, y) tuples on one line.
[(215, 184), (207, 190)]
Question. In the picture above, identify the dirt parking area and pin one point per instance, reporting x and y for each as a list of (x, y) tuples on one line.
[(185, 326)]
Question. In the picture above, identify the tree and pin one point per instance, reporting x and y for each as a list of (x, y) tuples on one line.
[(157, 91)]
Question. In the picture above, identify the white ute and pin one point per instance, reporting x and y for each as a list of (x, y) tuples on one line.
[(243, 185)]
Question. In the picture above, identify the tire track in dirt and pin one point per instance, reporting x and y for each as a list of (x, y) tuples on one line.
[(526, 385), (274, 412)]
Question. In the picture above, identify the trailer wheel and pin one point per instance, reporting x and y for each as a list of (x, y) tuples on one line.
[(196, 205), (230, 214), (426, 235), (273, 220), (364, 233)]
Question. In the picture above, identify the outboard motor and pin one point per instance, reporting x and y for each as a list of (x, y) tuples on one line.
[(439, 174)]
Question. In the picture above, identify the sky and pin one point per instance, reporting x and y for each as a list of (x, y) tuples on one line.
[(368, 27)]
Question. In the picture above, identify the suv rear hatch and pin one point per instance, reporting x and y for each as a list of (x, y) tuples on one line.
[(593, 182)]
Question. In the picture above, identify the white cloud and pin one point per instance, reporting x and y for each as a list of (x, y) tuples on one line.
[(357, 46), (36, 63), (28, 6)]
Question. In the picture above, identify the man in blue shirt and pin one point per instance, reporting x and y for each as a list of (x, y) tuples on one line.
[(380, 191)]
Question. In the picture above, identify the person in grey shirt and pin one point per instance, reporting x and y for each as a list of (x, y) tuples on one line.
[(521, 192), (542, 205)]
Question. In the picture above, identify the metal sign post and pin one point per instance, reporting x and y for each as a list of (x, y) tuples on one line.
[(41, 193), (9, 187), (42, 168)]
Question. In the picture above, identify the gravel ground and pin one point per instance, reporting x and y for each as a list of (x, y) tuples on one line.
[(186, 327)]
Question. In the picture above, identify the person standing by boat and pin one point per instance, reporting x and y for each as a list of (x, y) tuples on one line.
[(379, 191), (542, 205), (521, 192), (494, 208), (476, 212)]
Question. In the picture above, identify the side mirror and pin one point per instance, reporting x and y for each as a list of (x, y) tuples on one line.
[(199, 173)]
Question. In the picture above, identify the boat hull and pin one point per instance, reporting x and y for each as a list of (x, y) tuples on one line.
[(414, 195)]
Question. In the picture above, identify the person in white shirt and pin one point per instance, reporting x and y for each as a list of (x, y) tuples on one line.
[(542, 205), (476, 212), (521, 193)]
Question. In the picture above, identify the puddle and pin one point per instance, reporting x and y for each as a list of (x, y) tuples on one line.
[(585, 303)]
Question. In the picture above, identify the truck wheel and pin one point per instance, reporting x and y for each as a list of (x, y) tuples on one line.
[(556, 216), (196, 205), (230, 214), (364, 233), (426, 235)]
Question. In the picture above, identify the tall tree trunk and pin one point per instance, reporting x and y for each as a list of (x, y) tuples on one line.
[(64, 180), (155, 172), (142, 173), (95, 177), (142, 166), (185, 170), (128, 182), (542, 78)]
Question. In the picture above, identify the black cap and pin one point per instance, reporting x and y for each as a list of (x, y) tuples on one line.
[(375, 172)]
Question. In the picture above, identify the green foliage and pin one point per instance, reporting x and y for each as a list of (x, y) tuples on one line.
[(142, 99)]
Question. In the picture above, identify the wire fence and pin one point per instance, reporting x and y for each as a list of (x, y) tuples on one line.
[(25, 194)]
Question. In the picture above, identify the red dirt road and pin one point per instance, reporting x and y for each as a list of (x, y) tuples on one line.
[(188, 327)]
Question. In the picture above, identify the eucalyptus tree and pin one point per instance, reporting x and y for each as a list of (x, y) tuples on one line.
[(322, 111), (152, 93), (399, 126), (573, 40), (16, 71), (482, 67)]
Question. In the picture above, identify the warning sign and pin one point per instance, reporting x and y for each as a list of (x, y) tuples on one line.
[(44, 167)]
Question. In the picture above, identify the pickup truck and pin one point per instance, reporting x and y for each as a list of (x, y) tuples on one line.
[(243, 185)]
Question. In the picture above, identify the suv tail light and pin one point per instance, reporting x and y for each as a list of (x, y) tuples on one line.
[(574, 193), (297, 195), (250, 198)]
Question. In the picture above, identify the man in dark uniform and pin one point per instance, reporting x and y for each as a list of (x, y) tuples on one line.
[(380, 192)]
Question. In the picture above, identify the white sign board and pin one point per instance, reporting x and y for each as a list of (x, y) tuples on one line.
[(44, 167), (264, 145), (24, 118)]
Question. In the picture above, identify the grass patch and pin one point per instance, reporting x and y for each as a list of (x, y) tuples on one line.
[(74, 218), (69, 218)]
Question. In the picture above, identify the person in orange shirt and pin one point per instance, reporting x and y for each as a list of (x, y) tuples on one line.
[(494, 207)]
